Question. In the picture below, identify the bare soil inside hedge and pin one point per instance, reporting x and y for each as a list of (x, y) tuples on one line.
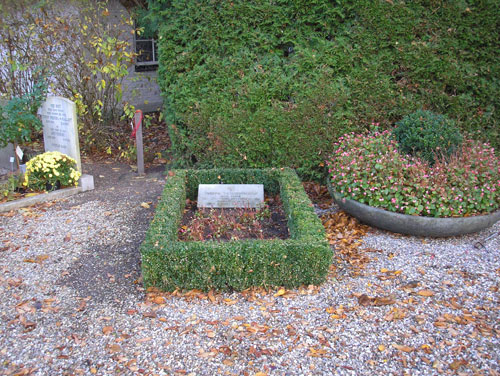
[(226, 224)]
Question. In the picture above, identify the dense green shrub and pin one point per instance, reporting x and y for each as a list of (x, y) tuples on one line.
[(168, 263), (251, 83), (427, 135)]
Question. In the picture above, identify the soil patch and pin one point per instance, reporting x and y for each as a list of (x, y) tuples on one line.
[(228, 224)]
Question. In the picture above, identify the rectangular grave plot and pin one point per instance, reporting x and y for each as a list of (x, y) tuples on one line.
[(267, 221), (302, 259)]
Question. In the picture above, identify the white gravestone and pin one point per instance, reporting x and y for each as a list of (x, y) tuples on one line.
[(60, 128), (230, 195)]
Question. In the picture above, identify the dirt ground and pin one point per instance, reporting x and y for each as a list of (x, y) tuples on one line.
[(115, 184)]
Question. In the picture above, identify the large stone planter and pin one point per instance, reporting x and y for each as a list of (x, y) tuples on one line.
[(413, 225)]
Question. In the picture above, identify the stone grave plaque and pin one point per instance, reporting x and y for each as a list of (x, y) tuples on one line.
[(230, 195), (60, 129)]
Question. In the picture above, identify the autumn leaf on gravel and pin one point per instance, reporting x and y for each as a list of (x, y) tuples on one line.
[(280, 292), (114, 348), (426, 349), (395, 314), (411, 285), (83, 303), (455, 365), (210, 334), (344, 233), (145, 205), (317, 353), (425, 293), (211, 296), (383, 300), (149, 314), (28, 325), (67, 238), (107, 329), (38, 259), (381, 347), (15, 282), (366, 300), (403, 348), (260, 374), (159, 300)]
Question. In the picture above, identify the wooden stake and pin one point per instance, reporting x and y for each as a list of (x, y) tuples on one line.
[(140, 149)]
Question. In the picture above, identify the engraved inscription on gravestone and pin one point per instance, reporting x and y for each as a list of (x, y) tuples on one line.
[(230, 195), (60, 129)]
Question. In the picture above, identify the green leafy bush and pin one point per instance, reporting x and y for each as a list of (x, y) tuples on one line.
[(427, 135), (18, 120), (168, 263), (369, 168), (237, 95), (50, 170), (9, 187)]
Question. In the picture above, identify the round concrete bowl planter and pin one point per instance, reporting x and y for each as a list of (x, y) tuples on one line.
[(411, 224)]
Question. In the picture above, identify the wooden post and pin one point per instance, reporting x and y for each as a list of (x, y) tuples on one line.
[(18, 162), (138, 139)]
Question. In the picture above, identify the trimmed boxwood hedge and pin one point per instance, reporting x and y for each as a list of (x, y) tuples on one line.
[(168, 263)]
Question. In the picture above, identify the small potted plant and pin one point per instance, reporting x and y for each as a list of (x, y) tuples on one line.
[(50, 171), (423, 178)]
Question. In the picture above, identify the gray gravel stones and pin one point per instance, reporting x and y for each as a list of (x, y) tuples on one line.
[(71, 302)]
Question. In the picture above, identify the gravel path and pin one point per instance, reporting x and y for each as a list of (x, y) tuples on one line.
[(71, 302)]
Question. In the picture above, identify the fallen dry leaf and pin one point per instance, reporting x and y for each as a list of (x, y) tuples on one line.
[(211, 296), (365, 300), (425, 293), (345, 233), (210, 334), (159, 300), (383, 300), (145, 205), (114, 348), (455, 365), (403, 348), (280, 292), (150, 314), (107, 329)]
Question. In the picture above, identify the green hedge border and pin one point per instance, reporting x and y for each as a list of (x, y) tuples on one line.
[(168, 263)]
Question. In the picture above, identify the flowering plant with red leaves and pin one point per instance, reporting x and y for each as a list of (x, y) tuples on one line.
[(369, 168)]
